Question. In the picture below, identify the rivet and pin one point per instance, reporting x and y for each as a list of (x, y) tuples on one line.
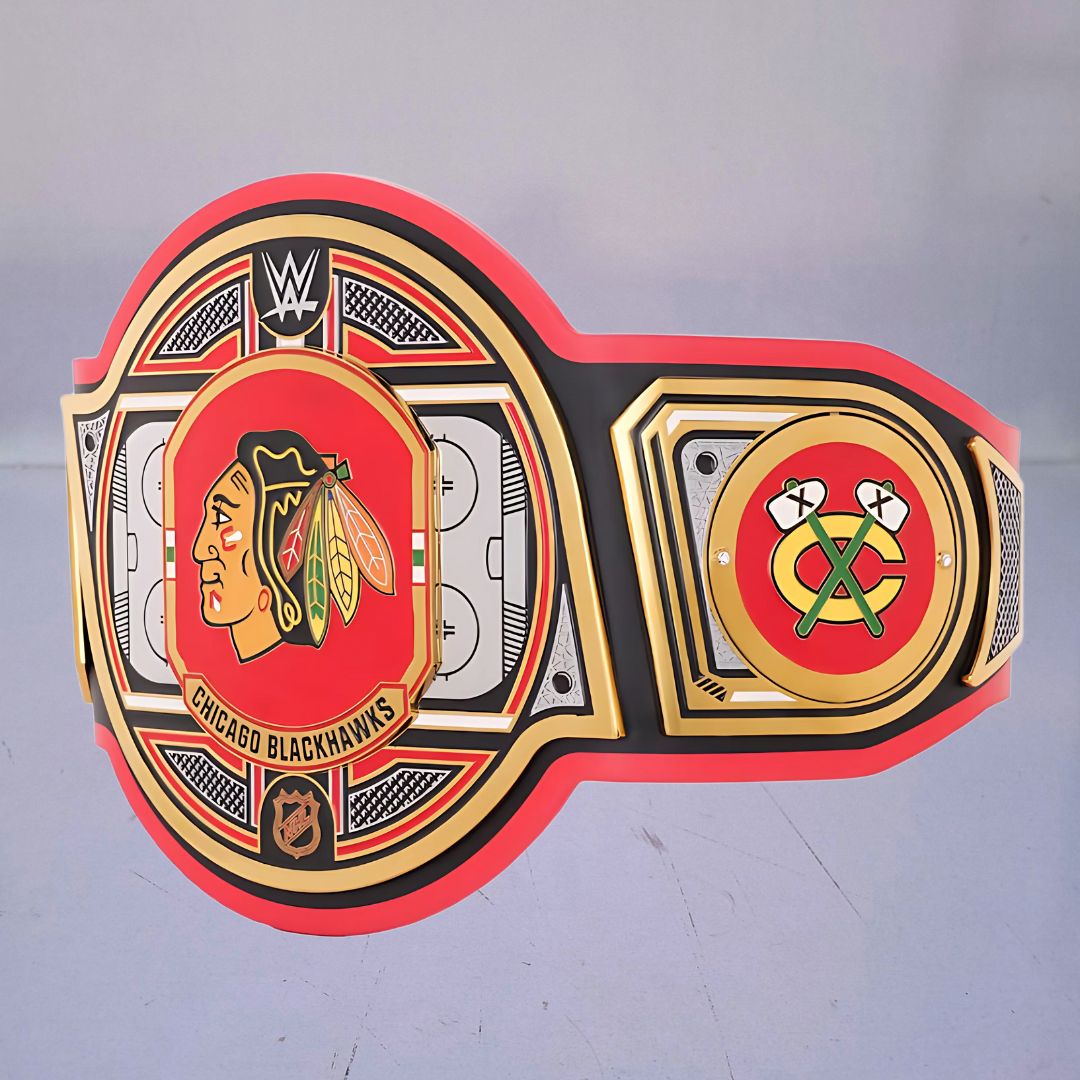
[(723, 556), (944, 559)]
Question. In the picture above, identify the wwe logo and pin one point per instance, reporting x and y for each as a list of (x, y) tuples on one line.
[(290, 286)]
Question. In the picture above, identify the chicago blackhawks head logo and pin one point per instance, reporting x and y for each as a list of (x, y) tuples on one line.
[(281, 537)]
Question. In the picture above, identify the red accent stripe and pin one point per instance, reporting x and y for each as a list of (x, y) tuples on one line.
[(546, 561), (104, 495), (539, 309), (541, 805), (335, 798), (257, 778), (252, 324), (330, 319)]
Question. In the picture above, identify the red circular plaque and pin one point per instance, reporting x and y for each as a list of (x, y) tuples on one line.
[(836, 648), (833, 558)]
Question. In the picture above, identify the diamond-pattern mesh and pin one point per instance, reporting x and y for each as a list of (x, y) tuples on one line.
[(386, 316), (1010, 516), (388, 798), (211, 781), (211, 318)]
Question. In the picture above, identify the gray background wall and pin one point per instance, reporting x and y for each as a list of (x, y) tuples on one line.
[(906, 174)]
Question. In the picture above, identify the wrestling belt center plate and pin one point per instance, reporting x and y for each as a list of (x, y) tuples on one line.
[(374, 557)]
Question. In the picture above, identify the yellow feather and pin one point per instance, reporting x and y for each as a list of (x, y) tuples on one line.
[(344, 573)]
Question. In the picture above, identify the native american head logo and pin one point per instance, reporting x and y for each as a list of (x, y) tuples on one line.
[(281, 537)]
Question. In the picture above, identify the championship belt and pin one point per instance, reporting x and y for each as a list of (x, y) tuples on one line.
[(374, 557)]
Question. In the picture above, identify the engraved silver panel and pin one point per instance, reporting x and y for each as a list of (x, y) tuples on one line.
[(90, 435), (563, 680), (704, 463)]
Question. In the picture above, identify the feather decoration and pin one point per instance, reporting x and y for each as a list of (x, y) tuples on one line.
[(339, 545), (316, 597), (366, 541), (344, 573), (291, 552)]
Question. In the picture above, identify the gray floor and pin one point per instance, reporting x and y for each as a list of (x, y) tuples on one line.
[(925, 922)]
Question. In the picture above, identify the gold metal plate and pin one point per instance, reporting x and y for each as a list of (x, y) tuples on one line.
[(715, 674)]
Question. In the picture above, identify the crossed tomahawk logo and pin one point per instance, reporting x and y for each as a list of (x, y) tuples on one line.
[(841, 597)]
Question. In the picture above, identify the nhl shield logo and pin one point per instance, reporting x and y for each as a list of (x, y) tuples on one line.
[(290, 286), (296, 827)]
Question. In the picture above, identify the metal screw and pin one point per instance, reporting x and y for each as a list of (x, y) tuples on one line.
[(945, 559), (723, 557)]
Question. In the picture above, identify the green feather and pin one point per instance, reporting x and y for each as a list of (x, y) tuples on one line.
[(315, 580)]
